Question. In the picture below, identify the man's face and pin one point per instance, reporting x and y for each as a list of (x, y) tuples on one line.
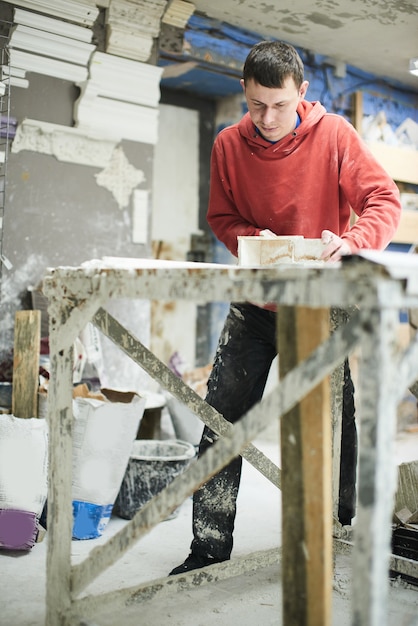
[(273, 110)]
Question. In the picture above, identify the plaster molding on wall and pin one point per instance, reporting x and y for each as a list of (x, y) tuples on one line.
[(145, 14), (65, 143), (80, 11), (49, 67), (120, 99), (43, 43), (120, 177), (50, 46), (51, 25), (114, 120), (132, 26), (178, 13), (123, 79), (136, 46)]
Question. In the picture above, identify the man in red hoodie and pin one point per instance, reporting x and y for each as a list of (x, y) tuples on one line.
[(287, 168)]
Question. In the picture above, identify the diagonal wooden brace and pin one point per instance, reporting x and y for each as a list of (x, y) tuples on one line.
[(281, 399), (110, 327)]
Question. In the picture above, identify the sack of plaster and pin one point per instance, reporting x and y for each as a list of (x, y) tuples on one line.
[(103, 433), (23, 479)]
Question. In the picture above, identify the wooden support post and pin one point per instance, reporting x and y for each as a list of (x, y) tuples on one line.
[(60, 512), (377, 475), (306, 478), (27, 337)]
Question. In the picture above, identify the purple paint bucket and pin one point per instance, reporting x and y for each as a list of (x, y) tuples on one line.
[(18, 529)]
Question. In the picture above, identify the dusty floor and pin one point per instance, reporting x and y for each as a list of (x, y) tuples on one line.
[(247, 599)]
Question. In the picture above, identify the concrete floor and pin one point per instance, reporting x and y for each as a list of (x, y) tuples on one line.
[(247, 599)]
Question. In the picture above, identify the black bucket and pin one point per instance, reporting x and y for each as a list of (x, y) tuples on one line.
[(153, 464)]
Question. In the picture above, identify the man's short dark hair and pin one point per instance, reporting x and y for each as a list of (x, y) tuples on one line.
[(269, 63)]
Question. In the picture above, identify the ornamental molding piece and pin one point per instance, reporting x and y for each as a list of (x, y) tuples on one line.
[(48, 46), (119, 100), (82, 12), (72, 146), (120, 177), (178, 13), (132, 26), (65, 143)]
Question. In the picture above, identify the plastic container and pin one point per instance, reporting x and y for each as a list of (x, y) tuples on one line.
[(23, 479), (153, 464), (18, 529), (6, 390)]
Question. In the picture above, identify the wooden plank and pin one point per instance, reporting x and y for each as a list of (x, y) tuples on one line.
[(306, 478), (158, 589), (27, 337)]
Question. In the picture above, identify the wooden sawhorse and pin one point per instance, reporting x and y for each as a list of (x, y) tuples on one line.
[(380, 285)]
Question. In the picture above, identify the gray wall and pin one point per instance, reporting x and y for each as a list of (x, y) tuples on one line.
[(55, 212)]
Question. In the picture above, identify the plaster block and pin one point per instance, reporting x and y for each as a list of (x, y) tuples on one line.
[(255, 251)]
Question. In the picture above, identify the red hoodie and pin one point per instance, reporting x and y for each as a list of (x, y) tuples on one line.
[(301, 185)]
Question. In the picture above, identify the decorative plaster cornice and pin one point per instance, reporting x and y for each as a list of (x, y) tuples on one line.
[(65, 143), (49, 46), (120, 99), (80, 11), (132, 26), (178, 13)]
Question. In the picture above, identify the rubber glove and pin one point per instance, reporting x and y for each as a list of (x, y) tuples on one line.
[(335, 247)]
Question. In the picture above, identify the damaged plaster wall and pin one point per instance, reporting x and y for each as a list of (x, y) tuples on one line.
[(175, 215), (60, 212)]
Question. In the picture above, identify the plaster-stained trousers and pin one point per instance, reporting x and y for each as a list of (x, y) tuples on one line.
[(246, 349)]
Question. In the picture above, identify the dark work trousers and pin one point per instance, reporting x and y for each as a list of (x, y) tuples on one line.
[(246, 349)]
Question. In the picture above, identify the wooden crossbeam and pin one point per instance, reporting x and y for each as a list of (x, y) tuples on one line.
[(161, 588)]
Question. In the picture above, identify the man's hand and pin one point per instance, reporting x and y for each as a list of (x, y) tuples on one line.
[(335, 247)]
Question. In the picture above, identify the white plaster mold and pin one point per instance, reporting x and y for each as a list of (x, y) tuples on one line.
[(120, 99), (50, 46), (131, 27), (120, 177), (258, 250), (73, 146), (82, 12), (67, 144), (178, 13)]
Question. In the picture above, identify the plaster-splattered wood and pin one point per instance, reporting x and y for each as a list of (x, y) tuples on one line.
[(110, 327), (306, 478), (60, 514), (27, 339), (296, 384), (377, 468)]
